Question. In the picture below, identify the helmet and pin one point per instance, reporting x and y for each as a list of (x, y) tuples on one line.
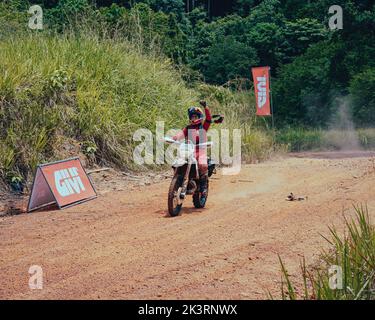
[(195, 111)]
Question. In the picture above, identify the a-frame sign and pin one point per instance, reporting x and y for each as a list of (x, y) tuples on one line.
[(63, 182)]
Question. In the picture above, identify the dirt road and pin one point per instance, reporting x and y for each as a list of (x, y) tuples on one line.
[(122, 245)]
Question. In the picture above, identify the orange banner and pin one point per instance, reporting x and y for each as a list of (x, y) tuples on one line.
[(64, 183), (261, 76)]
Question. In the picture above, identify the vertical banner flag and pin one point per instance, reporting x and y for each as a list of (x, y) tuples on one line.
[(64, 183), (261, 76)]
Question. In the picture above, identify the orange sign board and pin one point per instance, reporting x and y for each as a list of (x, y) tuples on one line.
[(64, 183), (261, 76)]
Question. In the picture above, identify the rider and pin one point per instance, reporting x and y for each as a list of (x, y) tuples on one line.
[(196, 132)]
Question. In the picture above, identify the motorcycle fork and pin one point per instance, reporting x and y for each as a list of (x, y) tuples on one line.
[(186, 180)]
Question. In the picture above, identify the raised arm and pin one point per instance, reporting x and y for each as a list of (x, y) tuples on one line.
[(208, 120)]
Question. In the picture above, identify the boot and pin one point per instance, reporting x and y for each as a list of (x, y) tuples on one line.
[(203, 185)]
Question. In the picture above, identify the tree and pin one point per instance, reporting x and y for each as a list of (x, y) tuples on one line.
[(362, 89), (243, 7), (113, 14), (268, 11), (196, 16), (168, 6), (305, 89), (228, 59), (267, 38), (66, 13), (300, 34)]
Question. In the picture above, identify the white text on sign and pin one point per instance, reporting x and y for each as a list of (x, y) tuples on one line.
[(68, 182)]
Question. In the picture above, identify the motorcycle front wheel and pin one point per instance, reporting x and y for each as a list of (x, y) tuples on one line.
[(174, 202)]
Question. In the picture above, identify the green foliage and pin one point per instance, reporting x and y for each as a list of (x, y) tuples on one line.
[(362, 89), (354, 252), (310, 64), (299, 139), (300, 35), (114, 14), (197, 16), (69, 14), (154, 31), (89, 91), (367, 138), (257, 145), (243, 7), (68, 84), (267, 38), (304, 90), (57, 82), (333, 67), (228, 59), (12, 19), (167, 6), (84, 89), (267, 11), (216, 93), (257, 140), (264, 29)]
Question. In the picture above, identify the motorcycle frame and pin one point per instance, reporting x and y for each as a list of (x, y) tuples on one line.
[(186, 178)]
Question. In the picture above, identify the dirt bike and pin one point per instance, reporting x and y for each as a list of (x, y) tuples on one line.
[(185, 180)]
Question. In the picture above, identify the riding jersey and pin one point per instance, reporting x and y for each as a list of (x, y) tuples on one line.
[(196, 132)]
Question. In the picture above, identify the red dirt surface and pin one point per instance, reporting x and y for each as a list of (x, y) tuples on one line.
[(122, 245)]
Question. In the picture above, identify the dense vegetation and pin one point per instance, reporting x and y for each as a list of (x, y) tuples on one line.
[(85, 72), (82, 91), (311, 64)]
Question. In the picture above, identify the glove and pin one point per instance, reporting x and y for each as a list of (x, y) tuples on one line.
[(218, 118), (203, 104)]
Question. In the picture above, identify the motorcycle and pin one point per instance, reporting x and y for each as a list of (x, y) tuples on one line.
[(185, 180)]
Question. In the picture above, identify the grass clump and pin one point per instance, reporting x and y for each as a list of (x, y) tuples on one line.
[(353, 253)]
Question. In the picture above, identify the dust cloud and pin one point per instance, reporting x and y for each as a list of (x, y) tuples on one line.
[(341, 134)]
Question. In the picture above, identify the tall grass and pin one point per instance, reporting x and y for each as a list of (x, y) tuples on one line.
[(85, 88), (367, 138), (354, 253), (300, 139)]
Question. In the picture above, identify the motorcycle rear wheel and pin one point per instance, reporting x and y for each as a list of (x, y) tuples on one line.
[(174, 208)]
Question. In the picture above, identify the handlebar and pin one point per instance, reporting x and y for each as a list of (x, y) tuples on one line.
[(170, 140), (204, 144)]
